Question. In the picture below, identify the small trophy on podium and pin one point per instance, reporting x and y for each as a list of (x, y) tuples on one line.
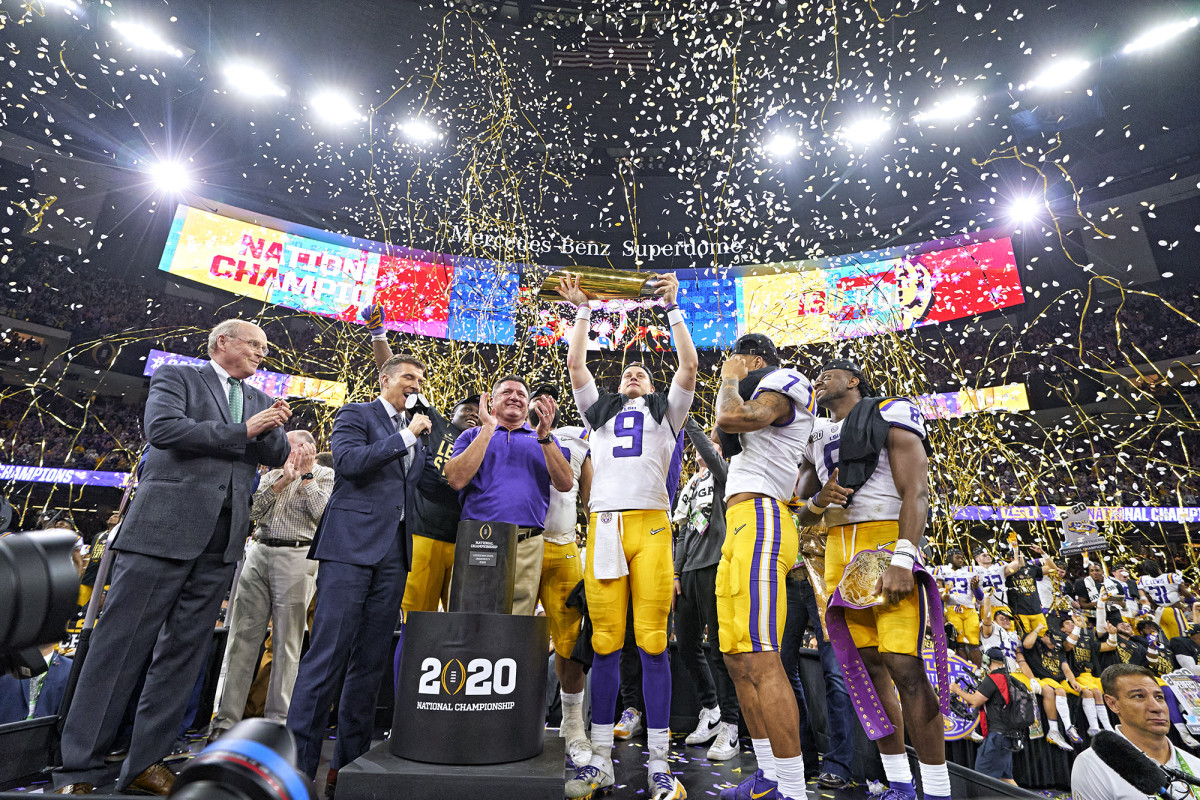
[(602, 284)]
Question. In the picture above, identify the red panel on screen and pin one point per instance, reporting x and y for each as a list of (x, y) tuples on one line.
[(415, 294), (972, 280)]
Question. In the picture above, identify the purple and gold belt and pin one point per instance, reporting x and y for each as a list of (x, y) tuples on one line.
[(856, 590)]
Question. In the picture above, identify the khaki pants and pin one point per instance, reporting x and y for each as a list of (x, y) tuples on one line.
[(528, 574)]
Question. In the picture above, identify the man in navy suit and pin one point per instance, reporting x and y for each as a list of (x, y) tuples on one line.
[(364, 547), (208, 430), (44, 692)]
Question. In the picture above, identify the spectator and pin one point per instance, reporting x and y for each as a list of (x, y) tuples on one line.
[(1186, 649)]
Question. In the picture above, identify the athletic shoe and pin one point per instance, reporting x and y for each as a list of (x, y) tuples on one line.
[(1092, 732), (630, 724), (756, 787), (896, 794), (665, 786), (726, 745), (1055, 738), (589, 780), (976, 736), (579, 749), (1073, 736), (830, 780), (706, 729)]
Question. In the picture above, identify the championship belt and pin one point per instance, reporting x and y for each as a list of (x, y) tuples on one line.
[(602, 284), (856, 590)]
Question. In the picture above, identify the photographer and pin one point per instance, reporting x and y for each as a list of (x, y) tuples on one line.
[(994, 695)]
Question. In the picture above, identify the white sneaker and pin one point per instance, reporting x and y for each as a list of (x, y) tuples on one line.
[(665, 786), (579, 749), (590, 779), (629, 725), (976, 736), (706, 729), (726, 745), (1092, 732), (1055, 738)]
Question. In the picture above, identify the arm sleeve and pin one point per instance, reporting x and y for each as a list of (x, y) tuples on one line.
[(717, 465), (316, 494), (679, 400), (353, 454), (264, 498), (585, 397), (903, 413)]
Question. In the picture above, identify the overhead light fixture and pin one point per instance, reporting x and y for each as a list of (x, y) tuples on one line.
[(864, 131), (143, 37), (334, 107), (1058, 74), (420, 131), (781, 144), (1160, 35), (949, 110), (1024, 209), (170, 177), (70, 6), (251, 80)]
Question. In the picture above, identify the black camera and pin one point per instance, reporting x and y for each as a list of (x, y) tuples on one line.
[(253, 761), (39, 589)]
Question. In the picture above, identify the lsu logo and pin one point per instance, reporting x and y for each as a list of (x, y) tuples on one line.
[(452, 677), (485, 533), (606, 518)]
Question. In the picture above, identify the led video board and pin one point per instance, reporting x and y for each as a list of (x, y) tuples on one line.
[(838, 300), (273, 384), (951, 405)]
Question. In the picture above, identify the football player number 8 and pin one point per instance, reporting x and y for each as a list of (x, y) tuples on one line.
[(628, 425)]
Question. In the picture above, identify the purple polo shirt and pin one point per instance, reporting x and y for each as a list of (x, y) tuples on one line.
[(512, 484)]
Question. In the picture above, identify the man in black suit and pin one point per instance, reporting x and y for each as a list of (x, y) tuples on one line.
[(208, 431), (364, 546)]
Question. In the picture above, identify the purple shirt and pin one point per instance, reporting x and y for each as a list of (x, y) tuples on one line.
[(512, 484)]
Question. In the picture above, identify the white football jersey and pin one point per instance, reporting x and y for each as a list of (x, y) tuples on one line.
[(992, 577), (1006, 641), (632, 454), (958, 584), (769, 463), (878, 498), (1163, 590), (560, 519)]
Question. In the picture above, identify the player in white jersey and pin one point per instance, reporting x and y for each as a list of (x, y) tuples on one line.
[(635, 435), (992, 574), (771, 420), (886, 511), (562, 570), (959, 582), (1169, 594)]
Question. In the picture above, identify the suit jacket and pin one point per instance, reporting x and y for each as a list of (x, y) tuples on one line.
[(196, 456), (14, 693), (370, 488)]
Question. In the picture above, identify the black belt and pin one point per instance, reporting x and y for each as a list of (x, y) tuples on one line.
[(526, 533), (281, 543)]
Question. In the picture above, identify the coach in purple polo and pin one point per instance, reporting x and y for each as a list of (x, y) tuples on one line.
[(503, 471)]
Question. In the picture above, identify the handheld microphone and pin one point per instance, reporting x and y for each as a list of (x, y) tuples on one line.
[(1180, 775), (1119, 754), (417, 404)]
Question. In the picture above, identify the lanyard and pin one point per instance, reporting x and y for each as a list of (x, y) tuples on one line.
[(1186, 770)]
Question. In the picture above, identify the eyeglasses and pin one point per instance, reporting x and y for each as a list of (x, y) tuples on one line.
[(258, 347)]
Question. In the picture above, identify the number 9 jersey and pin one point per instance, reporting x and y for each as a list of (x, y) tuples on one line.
[(632, 452), (769, 463)]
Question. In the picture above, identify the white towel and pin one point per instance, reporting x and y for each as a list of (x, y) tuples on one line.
[(608, 553)]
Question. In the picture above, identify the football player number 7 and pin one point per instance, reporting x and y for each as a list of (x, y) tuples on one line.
[(628, 425)]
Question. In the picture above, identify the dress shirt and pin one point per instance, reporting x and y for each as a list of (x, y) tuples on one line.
[(293, 514)]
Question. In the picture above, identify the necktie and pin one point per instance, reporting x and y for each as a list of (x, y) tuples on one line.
[(401, 424), (235, 399)]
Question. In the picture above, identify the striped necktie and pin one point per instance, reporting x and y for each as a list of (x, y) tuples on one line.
[(235, 399)]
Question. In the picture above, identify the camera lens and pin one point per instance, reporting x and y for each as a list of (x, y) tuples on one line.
[(39, 587), (255, 760)]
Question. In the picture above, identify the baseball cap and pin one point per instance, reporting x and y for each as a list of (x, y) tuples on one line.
[(1006, 612), (864, 386), (757, 344), (995, 655), (545, 388), (471, 398)]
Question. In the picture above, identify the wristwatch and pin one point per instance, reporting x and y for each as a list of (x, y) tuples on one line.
[(547, 440), (308, 476)]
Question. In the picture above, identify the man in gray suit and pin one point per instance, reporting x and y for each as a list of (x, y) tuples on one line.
[(175, 554)]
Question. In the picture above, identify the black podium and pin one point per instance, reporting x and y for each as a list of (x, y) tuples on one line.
[(470, 692)]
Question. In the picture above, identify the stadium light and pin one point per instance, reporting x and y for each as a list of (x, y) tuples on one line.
[(170, 177), (781, 145), (252, 81), (334, 107), (949, 110), (1160, 35), (1024, 209), (419, 131), (864, 131), (143, 37), (70, 6), (1057, 74)]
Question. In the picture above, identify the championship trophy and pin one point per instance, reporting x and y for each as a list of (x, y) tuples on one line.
[(470, 692), (602, 284)]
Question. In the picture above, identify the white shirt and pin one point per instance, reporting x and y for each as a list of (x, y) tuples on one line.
[(770, 459), (1163, 590), (223, 376), (878, 498), (1092, 779), (405, 434), (958, 582), (560, 518), (992, 577), (1006, 641), (632, 453)]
